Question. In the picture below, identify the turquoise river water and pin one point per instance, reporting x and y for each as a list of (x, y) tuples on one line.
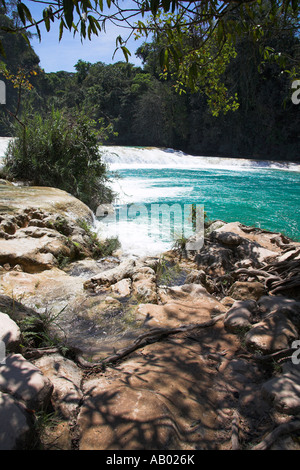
[(259, 193)]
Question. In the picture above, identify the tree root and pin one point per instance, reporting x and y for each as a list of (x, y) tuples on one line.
[(282, 429), (235, 445), (278, 355), (279, 277), (36, 353), (153, 335)]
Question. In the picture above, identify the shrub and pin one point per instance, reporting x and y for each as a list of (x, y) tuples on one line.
[(60, 151)]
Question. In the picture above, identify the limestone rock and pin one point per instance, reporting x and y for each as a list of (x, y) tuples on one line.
[(214, 226), (112, 302), (16, 428), (145, 290), (215, 259), (273, 333), (243, 290), (144, 284), (288, 307), (16, 310), (34, 248), (125, 419), (227, 238), (20, 198), (25, 382), (199, 277), (190, 303), (227, 301), (66, 378), (111, 276), (255, 252), (58, 436), (10, 333), (240, 315), (31, 252), (122, 288), (159, 398), (254, 245), (284, 391)]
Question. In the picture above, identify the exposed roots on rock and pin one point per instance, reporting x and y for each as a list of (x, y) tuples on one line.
[(235, 445), (153, 335), (282, 429)]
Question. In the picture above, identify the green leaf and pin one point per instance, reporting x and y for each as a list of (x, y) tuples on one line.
[(92, 24), (163, 57), (47, 22), (61, 28), (126, 52), (21, 13), (68, 12), (26, 39), (83, 29), (27, 13), (38, 31)]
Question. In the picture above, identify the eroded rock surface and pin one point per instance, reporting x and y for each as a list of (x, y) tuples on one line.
[(171, 391)]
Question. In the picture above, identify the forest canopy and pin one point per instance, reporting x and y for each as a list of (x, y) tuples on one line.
[(217, 75)]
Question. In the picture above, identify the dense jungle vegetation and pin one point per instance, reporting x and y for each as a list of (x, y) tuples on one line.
[(143, 106)]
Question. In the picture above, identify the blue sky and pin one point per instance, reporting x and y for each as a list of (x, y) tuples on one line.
[(55, 56)]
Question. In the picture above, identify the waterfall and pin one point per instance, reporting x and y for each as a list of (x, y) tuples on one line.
[(119, 158)]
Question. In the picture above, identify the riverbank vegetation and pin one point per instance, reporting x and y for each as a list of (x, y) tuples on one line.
[(61, 151)]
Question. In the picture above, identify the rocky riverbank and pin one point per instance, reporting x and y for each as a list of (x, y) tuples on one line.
[(187, 350)]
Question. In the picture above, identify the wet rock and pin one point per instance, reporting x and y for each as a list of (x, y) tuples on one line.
[(84, 268)]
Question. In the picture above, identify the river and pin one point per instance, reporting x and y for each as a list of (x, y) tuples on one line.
[(262, 193), (265, 194)]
